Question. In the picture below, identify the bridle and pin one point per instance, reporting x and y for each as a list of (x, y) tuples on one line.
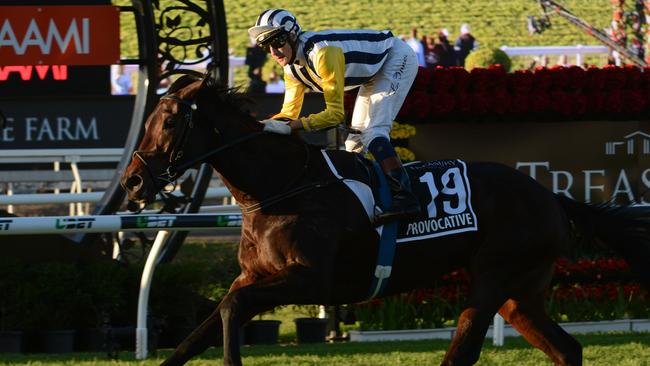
[(170, 174)]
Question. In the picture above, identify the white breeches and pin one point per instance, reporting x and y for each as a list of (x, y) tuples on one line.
[(380, 99)]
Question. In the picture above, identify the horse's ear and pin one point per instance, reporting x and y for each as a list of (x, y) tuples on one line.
[(209, 82)]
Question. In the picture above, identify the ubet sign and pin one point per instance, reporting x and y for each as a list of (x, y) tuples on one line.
[(72, 35)]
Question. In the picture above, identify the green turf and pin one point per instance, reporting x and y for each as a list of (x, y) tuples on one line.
[(599, 350)]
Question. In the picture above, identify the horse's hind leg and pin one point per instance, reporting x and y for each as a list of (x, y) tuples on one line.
[(529, 318), (484, 301)]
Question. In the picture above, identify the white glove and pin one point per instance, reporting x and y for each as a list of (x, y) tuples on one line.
[(275, 126)]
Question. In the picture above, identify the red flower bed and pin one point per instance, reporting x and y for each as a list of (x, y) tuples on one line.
[(584, 290), (547, 94)]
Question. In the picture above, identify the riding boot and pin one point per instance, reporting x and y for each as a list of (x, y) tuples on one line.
[(404, 203)]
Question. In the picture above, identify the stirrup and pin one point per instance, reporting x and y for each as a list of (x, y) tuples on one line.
[(384, 217)]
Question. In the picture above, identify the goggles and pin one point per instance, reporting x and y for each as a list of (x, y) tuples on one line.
[(277, 42)]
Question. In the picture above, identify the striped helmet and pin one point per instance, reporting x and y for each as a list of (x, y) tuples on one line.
[(272, 22)]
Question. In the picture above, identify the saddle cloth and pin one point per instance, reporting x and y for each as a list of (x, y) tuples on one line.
[(442, 187)]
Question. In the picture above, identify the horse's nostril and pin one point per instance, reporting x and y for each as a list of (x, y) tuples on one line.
[(133, 181)]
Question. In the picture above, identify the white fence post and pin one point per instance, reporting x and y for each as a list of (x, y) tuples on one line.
[(10, 192), (141, 336), (497, 330)]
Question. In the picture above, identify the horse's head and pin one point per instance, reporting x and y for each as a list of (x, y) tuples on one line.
[(176, 133)]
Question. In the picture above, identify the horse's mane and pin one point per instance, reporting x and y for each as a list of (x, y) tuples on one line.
[(232, 97), (182, 82)]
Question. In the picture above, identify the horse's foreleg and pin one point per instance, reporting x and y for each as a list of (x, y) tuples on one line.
[(292, 285), (484, 301), (530, 319), (205, 335)]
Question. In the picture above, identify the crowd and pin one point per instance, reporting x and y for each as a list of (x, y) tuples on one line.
[(433, 51)]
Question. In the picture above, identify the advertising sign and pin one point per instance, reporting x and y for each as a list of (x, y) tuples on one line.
[(67, 123), (59, 35), (54, 80), (589, 161)]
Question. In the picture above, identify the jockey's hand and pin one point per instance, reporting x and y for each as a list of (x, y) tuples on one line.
[(275, 126)]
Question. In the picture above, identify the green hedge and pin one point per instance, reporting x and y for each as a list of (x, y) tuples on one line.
[(36, 296), (486, 57)]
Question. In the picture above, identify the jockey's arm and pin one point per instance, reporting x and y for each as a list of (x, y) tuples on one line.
[(330, 64), (293, 97)]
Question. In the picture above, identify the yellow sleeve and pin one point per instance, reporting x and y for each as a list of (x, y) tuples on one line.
[(330, 65), (294, 94)]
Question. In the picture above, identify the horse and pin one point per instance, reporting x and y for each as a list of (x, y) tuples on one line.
[(306, 238)]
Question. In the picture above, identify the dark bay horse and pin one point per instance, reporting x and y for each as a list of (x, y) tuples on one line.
[(306, 239)]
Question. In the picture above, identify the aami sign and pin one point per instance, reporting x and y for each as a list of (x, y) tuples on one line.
[(55, 35)]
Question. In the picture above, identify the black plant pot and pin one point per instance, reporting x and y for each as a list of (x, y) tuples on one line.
[(311, 330), (124, 338), (11, 342), (262, 332), (95, 340), (57, 341)]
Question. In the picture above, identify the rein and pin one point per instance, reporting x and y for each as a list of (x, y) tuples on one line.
[(171, 173), (289, 192)]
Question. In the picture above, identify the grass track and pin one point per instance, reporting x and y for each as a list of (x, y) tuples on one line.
[(599, 350)]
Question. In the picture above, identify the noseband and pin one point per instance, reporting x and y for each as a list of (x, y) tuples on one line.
[(171, 173)]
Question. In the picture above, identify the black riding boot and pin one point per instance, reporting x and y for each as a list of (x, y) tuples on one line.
[(405, 203)]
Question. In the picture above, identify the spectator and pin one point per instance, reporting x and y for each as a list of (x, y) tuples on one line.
[(417, 46), (275, 84), (465, 43), (121, 83), (444, 51), (430, 57), (255, 58)]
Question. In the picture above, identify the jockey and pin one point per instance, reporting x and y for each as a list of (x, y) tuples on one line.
[(330, 62)]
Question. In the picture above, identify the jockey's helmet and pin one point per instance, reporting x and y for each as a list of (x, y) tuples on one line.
[(271, 23)]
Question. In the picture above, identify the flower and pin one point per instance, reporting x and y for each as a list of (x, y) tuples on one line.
[(556, 93), (402, 131), (582, 290), (404, 154)]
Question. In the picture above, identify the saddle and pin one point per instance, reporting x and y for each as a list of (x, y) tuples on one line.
[(442, 186)]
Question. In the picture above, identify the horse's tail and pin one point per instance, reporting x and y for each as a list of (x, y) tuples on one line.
[(624, 229)]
